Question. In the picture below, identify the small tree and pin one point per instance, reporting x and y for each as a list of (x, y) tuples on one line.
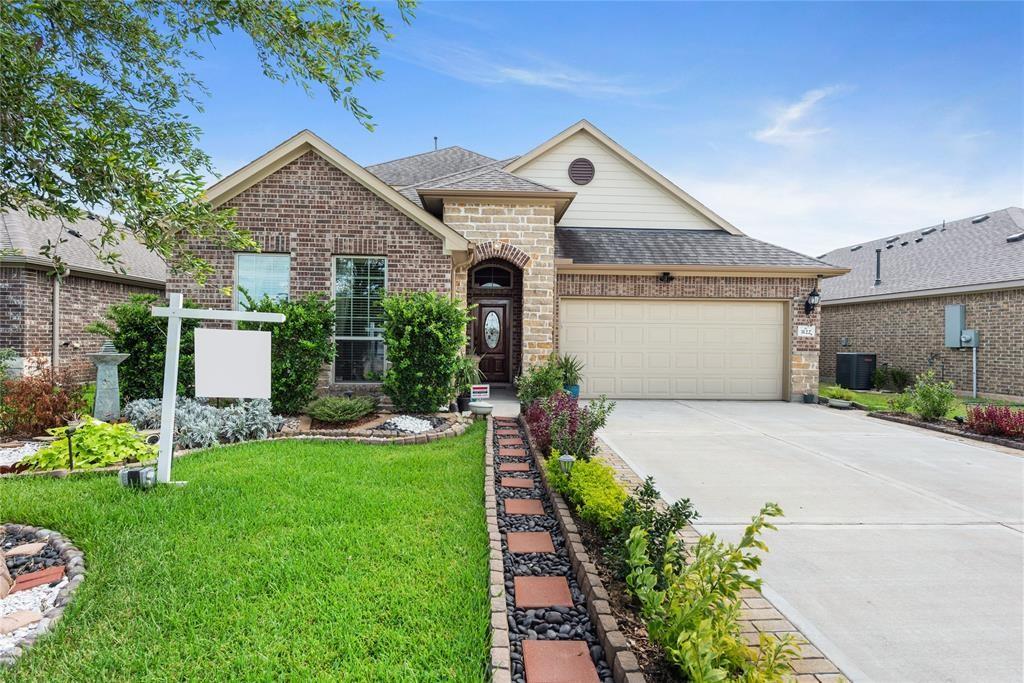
[(299, 347), (424, 333), (135, 331)]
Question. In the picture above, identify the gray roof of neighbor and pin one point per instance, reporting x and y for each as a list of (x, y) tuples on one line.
[(428, 165), (674, 247), (963, 253), (28, 235)]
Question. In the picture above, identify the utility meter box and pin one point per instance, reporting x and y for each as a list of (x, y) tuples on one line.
[(969, 339), (956, 321)]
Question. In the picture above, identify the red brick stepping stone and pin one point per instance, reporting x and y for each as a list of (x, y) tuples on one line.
[(507, 431), (558, 661), (515, 442), (516, 483), (542, 591), (43, 576), (530, 542), (514, 467), (523, 506), (512, 452)]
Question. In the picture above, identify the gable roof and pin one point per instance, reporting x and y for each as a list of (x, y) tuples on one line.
[(412, 191), (632, 160), (961, 255), (666, 248), (27, 235), (428, 165), (305, 141), (490, 181)]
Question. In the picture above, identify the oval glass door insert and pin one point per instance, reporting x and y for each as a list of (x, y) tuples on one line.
[(492, 330)]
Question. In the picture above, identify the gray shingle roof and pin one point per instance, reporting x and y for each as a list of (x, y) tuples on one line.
[(674, 247), (412, 191), (428, 165), (20, 231), (489, 178), (962, 254)]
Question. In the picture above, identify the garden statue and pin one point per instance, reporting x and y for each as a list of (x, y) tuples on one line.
[(107, 403)]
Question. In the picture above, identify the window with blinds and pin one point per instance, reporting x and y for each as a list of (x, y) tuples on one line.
[(360, 283)]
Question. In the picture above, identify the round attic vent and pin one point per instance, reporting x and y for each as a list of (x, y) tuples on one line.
[(581, 171)]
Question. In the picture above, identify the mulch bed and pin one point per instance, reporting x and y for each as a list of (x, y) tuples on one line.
[(951, 427)]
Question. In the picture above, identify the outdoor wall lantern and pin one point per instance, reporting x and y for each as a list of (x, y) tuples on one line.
[(666, 277), (566, 462), (813, 299)]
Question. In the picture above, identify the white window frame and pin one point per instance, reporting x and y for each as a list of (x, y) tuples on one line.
[(337, 337), (234, 276)]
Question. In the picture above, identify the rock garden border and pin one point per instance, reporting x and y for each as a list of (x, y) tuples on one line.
[(583, 619), (947, 429), (72, 560)]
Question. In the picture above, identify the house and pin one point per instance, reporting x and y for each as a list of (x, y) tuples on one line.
[(576, 246), (892, 302), (43, 318)]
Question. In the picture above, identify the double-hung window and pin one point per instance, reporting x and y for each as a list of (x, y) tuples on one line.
[(261, 275), (359, 285)]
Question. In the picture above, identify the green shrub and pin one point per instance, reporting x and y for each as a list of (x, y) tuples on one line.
[(901, 403), (891, 378), (837, 392), (95, 443), (424, 333), (930, 398), (338, 410), (540, 382), (591, 489), (642, 509), (695, 618), (299, 347), (135, 331)]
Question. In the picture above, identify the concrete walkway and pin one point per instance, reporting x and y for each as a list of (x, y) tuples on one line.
[(901, 555)]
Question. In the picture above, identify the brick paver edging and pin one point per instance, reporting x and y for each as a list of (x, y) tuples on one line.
[(939, 427), (624, 664), (757, 615), (501, 649), (74, 570), (457, 428)]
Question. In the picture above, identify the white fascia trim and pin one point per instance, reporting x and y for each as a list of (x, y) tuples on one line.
[(924, 293), (304, 141), (631, 159)]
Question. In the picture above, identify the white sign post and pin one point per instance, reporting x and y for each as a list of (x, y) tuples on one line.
[(175, 312)]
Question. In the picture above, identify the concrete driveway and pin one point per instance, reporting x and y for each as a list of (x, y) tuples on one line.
[(901, 555)]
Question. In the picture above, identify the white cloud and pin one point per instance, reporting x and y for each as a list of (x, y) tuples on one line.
[(814, 213), (790, 125), (475, 66)]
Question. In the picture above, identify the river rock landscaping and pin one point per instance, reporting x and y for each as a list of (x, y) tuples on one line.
[(550, 632)]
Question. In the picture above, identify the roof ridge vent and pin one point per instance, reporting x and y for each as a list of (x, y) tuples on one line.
[(918, 240), (979, 219), (928, 231), (893, 239), (1016, 237), (856, 247)]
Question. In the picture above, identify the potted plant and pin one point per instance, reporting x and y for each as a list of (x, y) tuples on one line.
[(572, 373), (466, 375)]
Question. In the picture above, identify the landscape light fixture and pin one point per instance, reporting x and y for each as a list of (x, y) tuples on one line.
[(813, 299), (70, 432), (566, 462)]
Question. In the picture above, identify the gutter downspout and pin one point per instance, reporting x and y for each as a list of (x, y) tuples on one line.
[(55, 326), (456, 265)]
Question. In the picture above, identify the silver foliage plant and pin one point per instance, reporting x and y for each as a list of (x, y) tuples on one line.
[(200, 425)]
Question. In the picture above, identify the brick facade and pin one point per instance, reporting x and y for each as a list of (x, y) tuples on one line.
[(313, 211), (910, 333), (26, 317), (803, 351), (528, 225)]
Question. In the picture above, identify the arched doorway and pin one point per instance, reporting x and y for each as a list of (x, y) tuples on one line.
[(495, 291)]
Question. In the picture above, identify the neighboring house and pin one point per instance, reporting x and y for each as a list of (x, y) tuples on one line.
[(977, 262), (40, 316), (577, 246)]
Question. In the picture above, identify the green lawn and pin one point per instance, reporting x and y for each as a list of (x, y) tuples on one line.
[(292, 560), (877, 401)]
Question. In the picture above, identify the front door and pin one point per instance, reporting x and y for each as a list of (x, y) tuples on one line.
[(491, 339)]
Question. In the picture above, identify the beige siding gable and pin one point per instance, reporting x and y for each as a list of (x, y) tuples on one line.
[(620, 195)]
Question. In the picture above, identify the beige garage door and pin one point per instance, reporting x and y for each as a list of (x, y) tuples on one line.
[(675, 349)]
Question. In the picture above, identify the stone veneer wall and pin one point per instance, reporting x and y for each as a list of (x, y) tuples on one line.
[(910, 333), (803, 360), (528, 225), (26, 317), (313, 211)]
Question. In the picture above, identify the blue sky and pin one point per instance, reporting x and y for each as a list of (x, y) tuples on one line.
[(809, 125)]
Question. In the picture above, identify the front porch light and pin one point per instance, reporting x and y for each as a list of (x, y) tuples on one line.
[(813, 299), (566, 462)]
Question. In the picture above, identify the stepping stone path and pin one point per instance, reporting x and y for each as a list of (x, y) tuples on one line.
[(551, 635)]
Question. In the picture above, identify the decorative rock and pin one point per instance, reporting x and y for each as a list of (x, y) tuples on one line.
[(20, 619), (25, 549)]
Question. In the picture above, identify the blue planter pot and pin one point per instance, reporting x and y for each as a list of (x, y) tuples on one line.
[(573, 390)]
